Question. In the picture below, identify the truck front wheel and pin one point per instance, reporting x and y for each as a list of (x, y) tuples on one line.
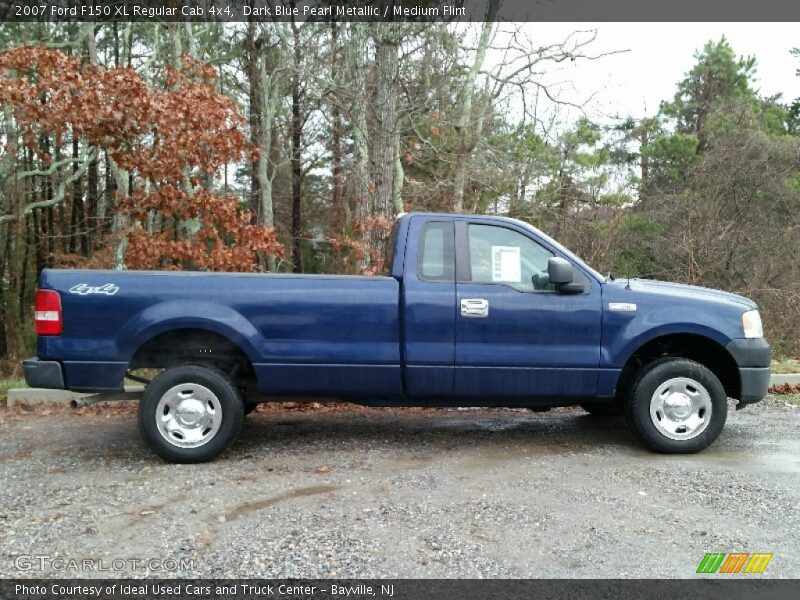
[(677, 406), (190, 414)]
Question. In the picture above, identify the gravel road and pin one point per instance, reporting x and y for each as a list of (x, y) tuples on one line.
[(353, 492)]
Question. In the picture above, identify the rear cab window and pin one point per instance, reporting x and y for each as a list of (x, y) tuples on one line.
[(437, 252)]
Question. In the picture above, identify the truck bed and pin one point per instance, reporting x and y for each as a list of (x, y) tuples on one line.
[(302, 333)]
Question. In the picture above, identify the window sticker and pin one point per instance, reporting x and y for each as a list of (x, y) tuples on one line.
[(506, 264)]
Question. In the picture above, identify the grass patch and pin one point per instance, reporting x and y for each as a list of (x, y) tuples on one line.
[(790, 398), (786, 365), (149, 374), (7, 384)]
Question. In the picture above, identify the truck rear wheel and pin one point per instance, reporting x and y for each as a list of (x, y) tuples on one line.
[(190, 414), (677, 406)]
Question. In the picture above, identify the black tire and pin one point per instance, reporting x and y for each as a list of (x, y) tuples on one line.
[(603, 408), (225, 398), (638, 404)]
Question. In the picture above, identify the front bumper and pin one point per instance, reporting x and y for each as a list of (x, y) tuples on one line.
[(43, 374), (753, 358), (755, 383)]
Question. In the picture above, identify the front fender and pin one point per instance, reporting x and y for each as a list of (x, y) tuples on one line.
[(619, 346)]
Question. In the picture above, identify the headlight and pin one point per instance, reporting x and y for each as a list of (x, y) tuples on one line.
[(751, 323)]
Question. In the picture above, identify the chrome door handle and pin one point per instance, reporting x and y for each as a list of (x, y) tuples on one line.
[(474, 307)]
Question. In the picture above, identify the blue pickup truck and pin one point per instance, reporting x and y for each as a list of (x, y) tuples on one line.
[(473, 311)]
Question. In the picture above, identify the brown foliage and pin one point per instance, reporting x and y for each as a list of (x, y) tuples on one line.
[(168, 138), (220, 221), (786, 388), (366, 245)]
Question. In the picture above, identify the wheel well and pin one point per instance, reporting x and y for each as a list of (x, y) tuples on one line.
[(685, 345), (196, 346)]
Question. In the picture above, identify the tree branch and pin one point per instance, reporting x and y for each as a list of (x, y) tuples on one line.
[(61, 189)]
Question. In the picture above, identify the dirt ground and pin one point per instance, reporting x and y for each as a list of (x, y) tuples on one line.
[(356, 492)]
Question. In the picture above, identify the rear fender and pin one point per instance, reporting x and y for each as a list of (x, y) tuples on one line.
[(183, 314)]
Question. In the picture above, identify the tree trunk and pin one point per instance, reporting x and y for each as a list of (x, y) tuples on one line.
[(4, 256), (37, 241), (90, 210), (119, 222), (50, 260), (106, 199), (115, 48), (383, 137), (357, 58), (17, 300), (35, 229), (15, 247), (252, 72), (29, 237), (644, 162), (77, 198), (468, 139), (269, 101), (399, 176), (90, 223), (297, 166), (337, 171), (7, 161), (63, 227), (387, 170)]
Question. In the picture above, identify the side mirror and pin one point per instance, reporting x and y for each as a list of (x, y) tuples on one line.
[(562, 274), (560, 270)]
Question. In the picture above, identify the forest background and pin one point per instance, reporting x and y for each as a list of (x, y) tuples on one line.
[(293, 146)]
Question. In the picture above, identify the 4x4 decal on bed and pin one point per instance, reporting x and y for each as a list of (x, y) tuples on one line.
[(109, 289)]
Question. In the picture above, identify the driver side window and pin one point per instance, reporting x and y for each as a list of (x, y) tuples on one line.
[(504, 256)]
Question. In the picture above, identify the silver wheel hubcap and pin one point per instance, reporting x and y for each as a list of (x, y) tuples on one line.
[(680, 408), (188, 415)]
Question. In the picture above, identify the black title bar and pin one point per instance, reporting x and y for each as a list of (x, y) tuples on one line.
[(732, 588), (399, 10)]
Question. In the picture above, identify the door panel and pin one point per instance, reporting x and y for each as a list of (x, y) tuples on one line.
[(429, 309), (533, 341)]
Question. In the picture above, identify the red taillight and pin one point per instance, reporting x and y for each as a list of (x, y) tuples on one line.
[(48, 313)]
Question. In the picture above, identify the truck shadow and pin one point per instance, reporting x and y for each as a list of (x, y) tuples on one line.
[(564, 432)]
